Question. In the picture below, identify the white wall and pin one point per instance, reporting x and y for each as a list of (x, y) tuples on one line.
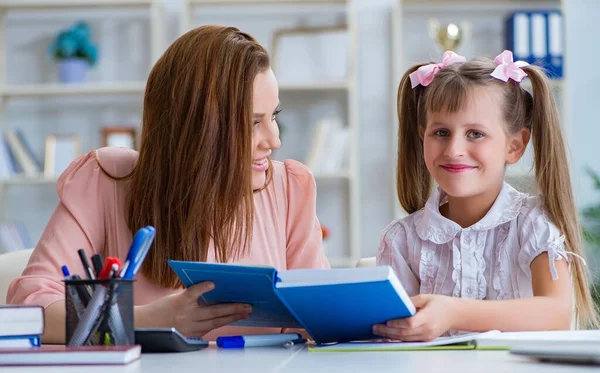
[(120, 59), (583, 94)]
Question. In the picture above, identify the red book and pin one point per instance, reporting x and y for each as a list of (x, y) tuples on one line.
[(64, 355)]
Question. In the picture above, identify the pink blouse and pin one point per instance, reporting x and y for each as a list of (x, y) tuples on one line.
[(91, 215)]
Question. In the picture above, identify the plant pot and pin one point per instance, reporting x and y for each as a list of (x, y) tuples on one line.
[(72, 70)]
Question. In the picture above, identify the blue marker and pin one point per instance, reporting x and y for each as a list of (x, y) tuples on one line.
[(260, 340), (137, 252)]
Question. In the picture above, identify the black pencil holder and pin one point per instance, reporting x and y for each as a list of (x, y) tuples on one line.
[(99, 312)]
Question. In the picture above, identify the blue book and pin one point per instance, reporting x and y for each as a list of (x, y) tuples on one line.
[(20, 341), (335, 305)]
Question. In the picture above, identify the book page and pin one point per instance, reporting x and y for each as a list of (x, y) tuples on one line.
[(464, 339)]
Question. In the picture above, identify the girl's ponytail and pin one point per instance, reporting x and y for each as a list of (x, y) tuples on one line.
[(413, 181), (554, 185)]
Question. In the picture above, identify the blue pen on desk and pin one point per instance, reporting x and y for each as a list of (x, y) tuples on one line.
[(260, 340)]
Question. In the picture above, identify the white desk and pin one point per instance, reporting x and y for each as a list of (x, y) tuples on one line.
[(271, 360)]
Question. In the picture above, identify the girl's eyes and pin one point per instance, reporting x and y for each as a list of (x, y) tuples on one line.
[(470, 134), (475, 135)]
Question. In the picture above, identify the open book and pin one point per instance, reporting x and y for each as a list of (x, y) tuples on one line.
[(333, 305), (492, 340)]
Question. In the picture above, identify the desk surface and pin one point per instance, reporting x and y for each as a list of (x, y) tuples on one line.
[(271, 360)]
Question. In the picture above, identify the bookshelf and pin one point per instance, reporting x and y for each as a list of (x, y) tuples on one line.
[(411, 44), (338, 199), (13, 91), (41, 90)]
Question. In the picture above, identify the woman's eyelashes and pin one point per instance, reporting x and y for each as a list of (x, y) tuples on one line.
[(275, 114), (273, 117)]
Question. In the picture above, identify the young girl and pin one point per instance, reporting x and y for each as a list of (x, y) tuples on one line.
[(476, 254), (203, 178)]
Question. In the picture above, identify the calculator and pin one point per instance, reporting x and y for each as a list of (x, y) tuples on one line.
[(167, 340)]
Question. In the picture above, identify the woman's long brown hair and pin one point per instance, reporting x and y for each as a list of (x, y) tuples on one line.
[(193, 177), (536, 112)]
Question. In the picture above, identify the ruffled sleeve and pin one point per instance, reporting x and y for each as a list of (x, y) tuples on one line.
[(537, 235), (393, 252), (303, 230), (85, 195)]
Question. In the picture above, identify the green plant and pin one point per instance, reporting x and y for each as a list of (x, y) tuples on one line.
[(74, 42), (591, 230)]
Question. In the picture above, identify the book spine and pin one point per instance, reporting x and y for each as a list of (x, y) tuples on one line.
[(15, 166), (28, 165), (28, 149)]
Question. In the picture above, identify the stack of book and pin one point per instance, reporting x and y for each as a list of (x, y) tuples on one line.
[(21, 326), (17, 156)]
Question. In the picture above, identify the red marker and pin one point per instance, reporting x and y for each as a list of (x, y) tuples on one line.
[(107, 269)]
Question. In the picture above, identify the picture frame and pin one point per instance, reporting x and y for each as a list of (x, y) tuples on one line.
[(61, 150), (119, 136), (311, 54)]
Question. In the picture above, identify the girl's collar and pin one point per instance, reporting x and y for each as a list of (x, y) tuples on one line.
[(432, 226)]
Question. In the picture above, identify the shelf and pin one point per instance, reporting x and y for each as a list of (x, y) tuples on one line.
[(264, 2), (334, 175), (32, 90), (42, 5), (28, 180), (314, 86)]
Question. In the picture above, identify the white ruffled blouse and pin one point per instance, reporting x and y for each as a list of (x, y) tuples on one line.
[(488, 260)]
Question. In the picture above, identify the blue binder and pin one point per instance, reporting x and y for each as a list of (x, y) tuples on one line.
[(537, 37), (335, 305)]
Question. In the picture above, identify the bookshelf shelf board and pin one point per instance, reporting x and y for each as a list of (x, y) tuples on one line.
[(314, 86), (336, 175), (265, 2), (28, 180), (37, 5), (38, 90)]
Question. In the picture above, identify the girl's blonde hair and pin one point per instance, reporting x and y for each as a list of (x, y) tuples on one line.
[(537, 112)]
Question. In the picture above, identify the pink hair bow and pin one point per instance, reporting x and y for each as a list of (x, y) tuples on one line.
[(507, 69), (425, 74)]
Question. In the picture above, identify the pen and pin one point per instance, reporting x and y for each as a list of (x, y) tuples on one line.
[(97, 262), (86, 264), (79, 308), (107, 270), (290, 344), (137, 252), (260, 340), (84, 291)]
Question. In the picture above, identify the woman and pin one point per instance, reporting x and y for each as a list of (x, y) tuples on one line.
[(203, 178)]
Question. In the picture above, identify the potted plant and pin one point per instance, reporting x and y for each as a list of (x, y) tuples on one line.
[(591, 231), (74, 52)]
